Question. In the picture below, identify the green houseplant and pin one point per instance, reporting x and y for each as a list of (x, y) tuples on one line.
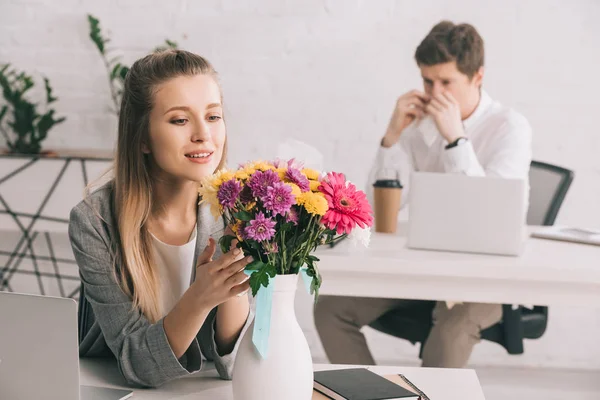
[(115, 68), (21, 124)]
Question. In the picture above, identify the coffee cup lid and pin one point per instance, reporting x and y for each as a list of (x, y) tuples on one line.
[(388, 183)]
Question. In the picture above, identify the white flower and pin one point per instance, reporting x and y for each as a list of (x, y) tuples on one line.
[(360, 235)]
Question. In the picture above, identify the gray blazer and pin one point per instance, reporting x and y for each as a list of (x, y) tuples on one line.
[(108, 322)]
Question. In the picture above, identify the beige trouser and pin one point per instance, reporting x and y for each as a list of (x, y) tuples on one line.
[(454, 334)]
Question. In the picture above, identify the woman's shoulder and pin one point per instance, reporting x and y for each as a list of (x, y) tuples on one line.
[(207, 222), (91, 231), (97, 204)]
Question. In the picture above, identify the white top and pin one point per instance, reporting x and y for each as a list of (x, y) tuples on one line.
[(499, 145), (174, 265)]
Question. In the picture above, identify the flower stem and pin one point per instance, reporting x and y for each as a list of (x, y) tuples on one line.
[(283, 251), (336, 239)]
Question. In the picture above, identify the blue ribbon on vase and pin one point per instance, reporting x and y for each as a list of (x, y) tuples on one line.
[(262, 318)]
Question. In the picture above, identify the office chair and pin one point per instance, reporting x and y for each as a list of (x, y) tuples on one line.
[(549, 185)]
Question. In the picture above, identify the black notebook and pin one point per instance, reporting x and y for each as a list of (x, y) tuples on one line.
[(359, 384)]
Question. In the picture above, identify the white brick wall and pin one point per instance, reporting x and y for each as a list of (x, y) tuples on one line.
[(328, 72)]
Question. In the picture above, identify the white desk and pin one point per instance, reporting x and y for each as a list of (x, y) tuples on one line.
[(438, 384), (547, 273)]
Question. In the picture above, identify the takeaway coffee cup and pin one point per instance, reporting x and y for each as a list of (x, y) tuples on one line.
[(387, 194)]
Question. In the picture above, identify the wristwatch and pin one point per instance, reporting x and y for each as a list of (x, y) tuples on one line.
[(457, 142)]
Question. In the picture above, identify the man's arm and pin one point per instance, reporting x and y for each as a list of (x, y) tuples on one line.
[(511, 143), (511, 153), (393, 156)]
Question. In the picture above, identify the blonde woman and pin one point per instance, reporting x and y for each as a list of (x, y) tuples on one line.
[(157, 292)]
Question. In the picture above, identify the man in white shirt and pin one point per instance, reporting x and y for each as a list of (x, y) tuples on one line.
[(454, 127)]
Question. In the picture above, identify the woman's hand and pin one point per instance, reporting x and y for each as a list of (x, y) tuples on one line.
[(219, 280)]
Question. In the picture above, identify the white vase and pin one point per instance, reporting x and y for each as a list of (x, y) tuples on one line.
[(287, 371)]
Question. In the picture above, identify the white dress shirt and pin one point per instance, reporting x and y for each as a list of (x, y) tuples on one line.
[(499, 145)]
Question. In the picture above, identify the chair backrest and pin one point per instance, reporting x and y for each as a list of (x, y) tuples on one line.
[(548, 187)]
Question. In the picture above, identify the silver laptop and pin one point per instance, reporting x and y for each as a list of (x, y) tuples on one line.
[(39, 353), (454, 212)]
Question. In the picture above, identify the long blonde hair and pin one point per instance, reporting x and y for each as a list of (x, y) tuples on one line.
[(132, 184)]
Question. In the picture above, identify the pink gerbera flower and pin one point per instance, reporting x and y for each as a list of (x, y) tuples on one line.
[(348, 206)]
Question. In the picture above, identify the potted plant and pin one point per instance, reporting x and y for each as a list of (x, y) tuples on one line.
[(116, 70), (22, 125)]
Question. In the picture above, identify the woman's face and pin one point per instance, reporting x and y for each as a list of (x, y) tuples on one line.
[(187, 131)]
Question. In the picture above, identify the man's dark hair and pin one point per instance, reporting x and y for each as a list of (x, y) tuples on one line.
[(447, 42)]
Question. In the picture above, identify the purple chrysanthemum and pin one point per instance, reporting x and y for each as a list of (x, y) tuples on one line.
[(295, 176), (260, 228), (260, 181), (271, 248), (229, 192), (292, 216), (279, 198), (246, 195)]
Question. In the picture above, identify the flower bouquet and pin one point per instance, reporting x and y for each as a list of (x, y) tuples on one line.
[(280, 212)]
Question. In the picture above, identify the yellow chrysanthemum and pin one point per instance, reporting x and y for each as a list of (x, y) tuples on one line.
[(311, 174), (295, 189), (314, 203), (221, 176), (314, 185), (281, 172), (258, 165), (208, 193), (237, 229), (250, 205), (263, 166), (244, 173)]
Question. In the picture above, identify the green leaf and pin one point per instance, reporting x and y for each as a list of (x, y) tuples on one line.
[(261, 277), (315, 285), (49, 97), (286, 227), (3, 112), (96, 33), (255, 265), (93, 20), (243, 216), (225, 243), (308, 262), (28, 127), (123, 72), (115, 71), (171, 43), (27, 83)]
